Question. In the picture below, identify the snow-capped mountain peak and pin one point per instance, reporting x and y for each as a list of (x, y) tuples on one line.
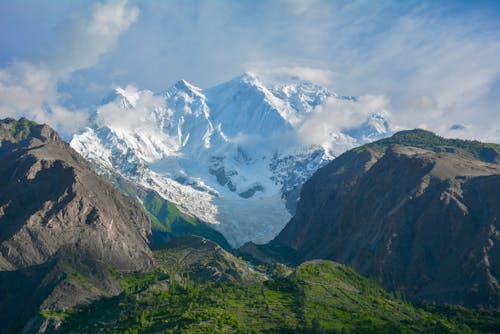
[(302, 96), (249, 78), (230, 155), (129, 95), (184, 86)]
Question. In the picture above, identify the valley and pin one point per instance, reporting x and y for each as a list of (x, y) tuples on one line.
[(260, 167), (99, 257)]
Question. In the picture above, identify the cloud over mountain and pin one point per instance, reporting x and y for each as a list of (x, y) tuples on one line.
[(435, 63), (30, 88)]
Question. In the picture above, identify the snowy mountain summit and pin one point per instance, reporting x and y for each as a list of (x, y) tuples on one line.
[(235, 155)]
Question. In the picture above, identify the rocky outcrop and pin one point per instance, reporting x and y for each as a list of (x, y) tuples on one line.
[(418, 212), (61, 226), (204, 260)]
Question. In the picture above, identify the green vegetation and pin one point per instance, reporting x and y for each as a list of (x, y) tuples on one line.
[(487, 152), (486, 321), (274, 270), (17, 130), (167, 221), (75, 276), (165, 213), (137, 282), (55, 315), (203, 260), (318, 297)]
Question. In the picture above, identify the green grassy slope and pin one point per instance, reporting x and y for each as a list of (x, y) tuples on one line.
[(319, 297), (167, 221)]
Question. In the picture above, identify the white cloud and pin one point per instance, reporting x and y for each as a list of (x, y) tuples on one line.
[(270, 73), (438, 71), (29, 89), (327, 121), (25, 86), (140, 113), (435, 62), (85, 39)]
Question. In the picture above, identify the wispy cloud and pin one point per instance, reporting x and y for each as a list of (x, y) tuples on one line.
[(268, 72), (435, 63), (30, 88), (140, 111), (299, 7), (327, 122), (83, 40), (435, 66)]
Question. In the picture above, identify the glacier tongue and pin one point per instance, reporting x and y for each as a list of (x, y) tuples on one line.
[(229, 155)]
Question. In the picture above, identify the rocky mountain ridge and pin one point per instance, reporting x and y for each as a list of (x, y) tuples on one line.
[(416, 211), (62, 227)]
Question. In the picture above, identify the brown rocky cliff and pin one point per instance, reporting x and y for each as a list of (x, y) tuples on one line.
[(61, 226), (423, 221), (51, 199)]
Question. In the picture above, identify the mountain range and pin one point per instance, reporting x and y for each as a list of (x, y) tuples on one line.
[(155, 198), (230, 155), (414, 212)]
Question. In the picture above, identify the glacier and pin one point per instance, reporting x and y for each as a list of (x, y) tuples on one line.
[(229, 155)]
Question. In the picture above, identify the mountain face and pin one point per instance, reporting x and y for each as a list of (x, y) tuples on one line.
[(51, 199), (228, 155), (62, 226), (167, 221), (418, 212)]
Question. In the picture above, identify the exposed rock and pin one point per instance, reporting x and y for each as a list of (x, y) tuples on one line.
[(58, 285), (58, 219), (416, 211), (251, 191), (50, 199)]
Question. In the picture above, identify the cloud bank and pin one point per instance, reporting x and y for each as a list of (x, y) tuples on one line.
[(30, 89), (139, 112)]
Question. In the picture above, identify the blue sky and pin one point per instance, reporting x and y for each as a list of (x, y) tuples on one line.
[(435, 64)]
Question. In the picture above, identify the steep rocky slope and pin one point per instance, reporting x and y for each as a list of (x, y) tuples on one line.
[(418, 212), (61, 226)]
